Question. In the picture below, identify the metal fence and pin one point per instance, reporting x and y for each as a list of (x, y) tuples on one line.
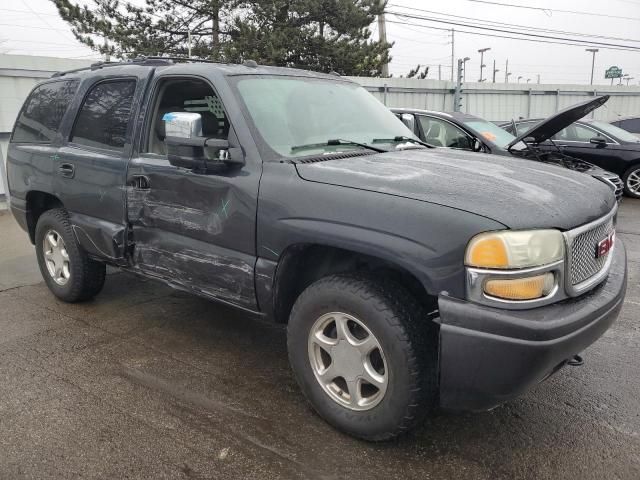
[(500, 101)]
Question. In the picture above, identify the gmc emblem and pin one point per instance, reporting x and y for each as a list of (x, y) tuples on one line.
[(605, 245)]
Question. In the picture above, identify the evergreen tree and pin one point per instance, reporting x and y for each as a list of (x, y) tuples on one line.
[(322, 35)]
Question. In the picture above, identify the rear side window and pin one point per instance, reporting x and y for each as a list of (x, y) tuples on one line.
[(104, 116), (42, 113)]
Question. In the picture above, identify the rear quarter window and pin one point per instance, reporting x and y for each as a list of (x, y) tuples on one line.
[(42, 113)]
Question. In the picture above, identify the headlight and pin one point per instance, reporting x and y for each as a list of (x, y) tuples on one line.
[(515, 249)]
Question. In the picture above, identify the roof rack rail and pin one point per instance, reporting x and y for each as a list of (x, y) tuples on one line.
[(154, 60)]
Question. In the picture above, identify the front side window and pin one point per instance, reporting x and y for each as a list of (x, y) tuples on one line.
[(440, 133), (523, 128), (104, 116), (43, 111), (186, 95), (296, 116)]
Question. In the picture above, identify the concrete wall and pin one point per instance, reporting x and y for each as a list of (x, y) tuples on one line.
[(499, 101)]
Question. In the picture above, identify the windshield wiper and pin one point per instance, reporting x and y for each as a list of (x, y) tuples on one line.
[(336, 142), (402, 138)]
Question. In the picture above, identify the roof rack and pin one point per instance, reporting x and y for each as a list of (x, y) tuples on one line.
[(141, 60)]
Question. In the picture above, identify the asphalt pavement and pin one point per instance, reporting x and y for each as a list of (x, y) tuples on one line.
[(147, 382)]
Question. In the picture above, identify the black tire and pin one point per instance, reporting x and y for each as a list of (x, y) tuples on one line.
[(408, 339), (86, 277), (625, 179)]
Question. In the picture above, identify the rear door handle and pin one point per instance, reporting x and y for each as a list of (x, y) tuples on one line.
[(67, 170)]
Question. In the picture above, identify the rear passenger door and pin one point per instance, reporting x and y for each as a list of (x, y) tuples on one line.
[(92, 161)]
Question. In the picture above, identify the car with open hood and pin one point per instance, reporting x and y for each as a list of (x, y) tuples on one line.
[(600, 143), (407, 276), (464, 131)]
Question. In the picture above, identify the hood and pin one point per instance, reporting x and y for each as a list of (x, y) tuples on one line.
[(548, 127), (517, 193)]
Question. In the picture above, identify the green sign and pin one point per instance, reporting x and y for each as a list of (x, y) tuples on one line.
[(613, 72)]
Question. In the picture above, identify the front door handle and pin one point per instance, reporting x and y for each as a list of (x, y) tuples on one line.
[(141, 182), (67, 170)]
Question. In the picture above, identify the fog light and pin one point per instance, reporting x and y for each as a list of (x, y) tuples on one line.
[(528, 288)]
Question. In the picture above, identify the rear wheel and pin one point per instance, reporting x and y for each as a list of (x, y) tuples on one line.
[(364, 355), (631, 180), (67, 270)]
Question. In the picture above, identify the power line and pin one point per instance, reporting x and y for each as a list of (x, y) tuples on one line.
[(551, 10), (512, 25), (501, 30), (493, 35)]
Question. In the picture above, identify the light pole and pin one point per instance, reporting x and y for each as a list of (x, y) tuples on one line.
[(507, 75), (519, 78), (495, 70), (464, 69), (528, 80), (482, 65), (628, 79), (593, 60)]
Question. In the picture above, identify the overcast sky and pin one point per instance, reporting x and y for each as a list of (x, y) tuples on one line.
[(33, 27)]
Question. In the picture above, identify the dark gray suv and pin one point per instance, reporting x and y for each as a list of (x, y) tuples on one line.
[(408, 276)]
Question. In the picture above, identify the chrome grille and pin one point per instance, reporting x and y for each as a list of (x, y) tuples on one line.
[(618, 186), (584, 263)]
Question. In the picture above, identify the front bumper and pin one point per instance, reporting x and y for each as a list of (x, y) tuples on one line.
[(490, 355)]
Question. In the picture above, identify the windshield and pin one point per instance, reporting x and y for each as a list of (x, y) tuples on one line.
[(616, 132), (491, 132), (292, 112)]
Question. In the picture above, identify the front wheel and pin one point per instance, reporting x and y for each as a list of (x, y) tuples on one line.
[(67, 270), (364, 355), (631, 180)]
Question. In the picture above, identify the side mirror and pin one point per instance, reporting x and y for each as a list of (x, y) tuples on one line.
[(599, 142), (185, 143), (476, 145), (410, 121)]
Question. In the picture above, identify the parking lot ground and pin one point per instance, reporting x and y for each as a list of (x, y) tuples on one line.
[(146, 382)]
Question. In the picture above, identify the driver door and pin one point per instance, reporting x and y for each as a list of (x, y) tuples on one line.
[(194, 230), (441, 133)]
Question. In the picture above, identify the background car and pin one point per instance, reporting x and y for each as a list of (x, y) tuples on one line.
[(468, 132), (630, 124), (597, 142)]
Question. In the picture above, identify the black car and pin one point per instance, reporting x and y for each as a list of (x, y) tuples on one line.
[(296, 196), (468, 132), (594, 141)]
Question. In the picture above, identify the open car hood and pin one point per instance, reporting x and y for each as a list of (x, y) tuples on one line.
[(548, 127)]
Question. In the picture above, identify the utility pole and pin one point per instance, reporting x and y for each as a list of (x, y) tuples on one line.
[(628, 79), (457, 94), (593, 60), (382, 36), (464, 68), (482, 65), (439, 72), (495, 70), (453, 50), (538, 79), (506, 71)]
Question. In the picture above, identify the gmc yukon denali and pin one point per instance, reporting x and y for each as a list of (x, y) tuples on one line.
[(409, 277)]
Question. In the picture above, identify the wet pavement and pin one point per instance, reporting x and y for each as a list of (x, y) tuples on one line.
[(146, 382)]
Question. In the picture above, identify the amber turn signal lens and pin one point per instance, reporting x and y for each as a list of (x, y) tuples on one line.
[(489, 252), (528, 288)]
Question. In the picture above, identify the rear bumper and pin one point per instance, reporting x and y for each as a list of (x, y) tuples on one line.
[(489, 356)]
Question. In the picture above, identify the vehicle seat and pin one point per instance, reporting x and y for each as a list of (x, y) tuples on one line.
[(433, 135)]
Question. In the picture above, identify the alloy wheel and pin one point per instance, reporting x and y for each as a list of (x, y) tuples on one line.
[(56, 257), (347, 361)]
